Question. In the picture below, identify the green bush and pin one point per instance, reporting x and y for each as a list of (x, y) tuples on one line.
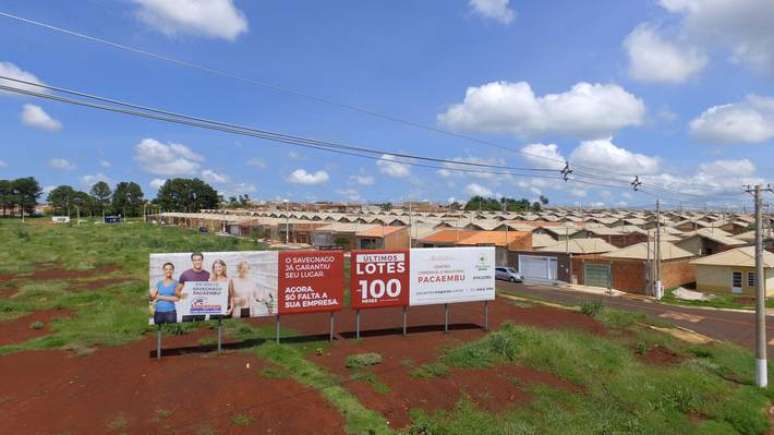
[(38, 324), (592, 308), (360, 360)]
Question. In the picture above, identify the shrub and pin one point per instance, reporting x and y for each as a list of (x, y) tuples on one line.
[(38, 324), (360, 360), (592, 308)]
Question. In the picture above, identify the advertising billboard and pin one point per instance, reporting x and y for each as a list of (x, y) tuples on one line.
[(380, 279), (310, 281), (450, 275), (201, 286)]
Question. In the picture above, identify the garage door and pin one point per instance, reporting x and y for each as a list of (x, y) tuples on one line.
[(597, 275), (537, 267)]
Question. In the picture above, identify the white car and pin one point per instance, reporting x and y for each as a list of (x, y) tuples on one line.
[(507, 274)]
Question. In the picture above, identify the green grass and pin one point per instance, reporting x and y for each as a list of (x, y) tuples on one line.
[(620, 393), (242, 420), (719, 301), (113, 315), (371, 379), (359, 420)]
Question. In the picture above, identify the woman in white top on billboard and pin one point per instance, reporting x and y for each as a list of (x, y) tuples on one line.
[(219, 275), (249, 300)]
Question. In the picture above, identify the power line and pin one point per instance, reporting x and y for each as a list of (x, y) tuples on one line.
[(223, 73), (447, 164)]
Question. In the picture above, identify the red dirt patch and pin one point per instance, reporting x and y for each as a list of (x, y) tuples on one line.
[(661, 356), (19, 330), (493, 389), (182, 394)]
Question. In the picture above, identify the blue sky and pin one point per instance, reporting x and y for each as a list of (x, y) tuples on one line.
[(679, 92)]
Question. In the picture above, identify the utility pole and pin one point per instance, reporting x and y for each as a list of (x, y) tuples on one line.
[(657, 252), (287, 222), (761, 371)]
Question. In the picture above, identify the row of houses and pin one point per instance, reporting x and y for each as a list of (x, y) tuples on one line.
[(614, 249)]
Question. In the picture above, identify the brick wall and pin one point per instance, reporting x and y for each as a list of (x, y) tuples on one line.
[(677, 272)]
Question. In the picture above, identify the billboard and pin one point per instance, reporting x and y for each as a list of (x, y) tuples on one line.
[(310, 281), (186, 287), (450, 275), (380, 279)]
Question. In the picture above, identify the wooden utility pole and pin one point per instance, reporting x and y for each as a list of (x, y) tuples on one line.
[(657, 252)]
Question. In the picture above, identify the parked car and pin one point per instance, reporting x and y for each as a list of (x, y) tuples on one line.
[(507, 274)]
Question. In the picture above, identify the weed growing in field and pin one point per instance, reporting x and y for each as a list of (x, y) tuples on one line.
[(360, 360), (38, 324), (371, 379), (241, 420), (117, 423), (592, 308), (430, 370)]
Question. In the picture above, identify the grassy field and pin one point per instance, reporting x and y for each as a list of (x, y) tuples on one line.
[(703, 388)]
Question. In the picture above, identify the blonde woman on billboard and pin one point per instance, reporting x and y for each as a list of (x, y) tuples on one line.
[(248, 300), (219, 274), (164, 295)]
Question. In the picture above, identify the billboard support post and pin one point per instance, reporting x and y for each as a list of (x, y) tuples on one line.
[(486, 315), (158, 342), (445, 318), (357, 324), (404, 321), (277, 326), (220, 334), (333, 320)]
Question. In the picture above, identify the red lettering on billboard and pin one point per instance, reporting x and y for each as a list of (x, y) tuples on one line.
[(380, 279), (310, 281)]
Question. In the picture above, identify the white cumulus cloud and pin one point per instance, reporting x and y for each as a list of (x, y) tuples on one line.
[(350, 194), (166, 159), (8, 69), (301, 176), (363, 180), (105, 163), (211, 176), (749, 121), (3, 164), (35, 117), (603, 153), (544, 156), (711, 178), (210, 18), (654, 59), (61, 164), (388, 165), (90, 180), (743, 28), (587, 111), (475, 189), (498, 10), (156, 183)]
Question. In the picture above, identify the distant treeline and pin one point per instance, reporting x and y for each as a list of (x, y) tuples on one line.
[(125, 198), (503, 204)]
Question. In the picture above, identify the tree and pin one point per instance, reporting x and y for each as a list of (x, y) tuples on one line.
[(86, 203), (101, 193), (6, 195), (127, 199), (543, 200), (386, 206), (187, 195), (61, 198), (27, 191)]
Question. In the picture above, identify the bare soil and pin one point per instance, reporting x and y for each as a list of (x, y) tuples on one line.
[(20, 329), (661, 356), (124, 390)]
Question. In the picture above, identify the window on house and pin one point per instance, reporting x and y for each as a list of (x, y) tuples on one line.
[(736, 279), (750, 279)]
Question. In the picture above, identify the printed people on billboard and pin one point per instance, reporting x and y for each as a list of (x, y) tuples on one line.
[(237, 284), (248, 298), (164, 295), (195, 274), (220, 274), (380, 279)]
